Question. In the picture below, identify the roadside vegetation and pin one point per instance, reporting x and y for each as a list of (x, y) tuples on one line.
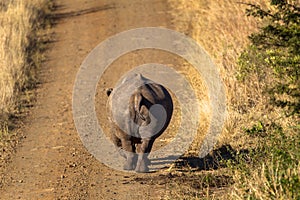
[(272, 170), (22, 43), (256, 47)]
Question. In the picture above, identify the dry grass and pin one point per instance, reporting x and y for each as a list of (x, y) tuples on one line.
[(20, 55), (266, 183), (221, 28), (18, 21)]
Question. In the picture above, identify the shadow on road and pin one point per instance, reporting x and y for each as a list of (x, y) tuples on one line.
[(215, 160)]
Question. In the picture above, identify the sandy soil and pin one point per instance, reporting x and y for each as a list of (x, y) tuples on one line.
[(51, 162)]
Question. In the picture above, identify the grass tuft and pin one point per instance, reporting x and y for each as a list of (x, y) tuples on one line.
[(20, 51)]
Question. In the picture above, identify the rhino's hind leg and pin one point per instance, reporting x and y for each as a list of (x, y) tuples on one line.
[(143, 161), (130, 162)]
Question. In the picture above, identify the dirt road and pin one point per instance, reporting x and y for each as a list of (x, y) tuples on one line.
[(52, 163)]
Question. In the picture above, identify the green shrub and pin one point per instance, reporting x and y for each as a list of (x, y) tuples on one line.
[(271, 170), (274, 54)]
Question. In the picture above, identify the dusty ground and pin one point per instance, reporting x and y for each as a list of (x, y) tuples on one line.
[(51, 162)]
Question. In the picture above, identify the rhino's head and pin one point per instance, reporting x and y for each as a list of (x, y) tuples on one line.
[(130, 80)]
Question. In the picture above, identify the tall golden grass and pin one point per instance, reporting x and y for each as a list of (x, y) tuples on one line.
[(222, 28), (17, 21), (20, 22)]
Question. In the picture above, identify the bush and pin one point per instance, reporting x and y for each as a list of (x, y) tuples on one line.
[(272, 170), (274, 54)]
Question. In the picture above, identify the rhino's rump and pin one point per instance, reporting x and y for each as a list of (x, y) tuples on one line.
[(131, 112)]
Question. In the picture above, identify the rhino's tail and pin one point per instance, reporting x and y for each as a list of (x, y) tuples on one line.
[(137, 102)]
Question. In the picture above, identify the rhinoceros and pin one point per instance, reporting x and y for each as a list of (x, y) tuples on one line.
[(140, 111)]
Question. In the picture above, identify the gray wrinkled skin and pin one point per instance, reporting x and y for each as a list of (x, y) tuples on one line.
[(140, 111)]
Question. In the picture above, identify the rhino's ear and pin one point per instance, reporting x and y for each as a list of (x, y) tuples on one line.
[(109, 91)]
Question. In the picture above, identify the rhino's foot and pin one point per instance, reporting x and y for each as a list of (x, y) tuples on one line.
[(142, 166), (128, 166), (130, 163)]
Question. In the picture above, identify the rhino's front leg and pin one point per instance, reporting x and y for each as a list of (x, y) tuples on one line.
[(143, 161)]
